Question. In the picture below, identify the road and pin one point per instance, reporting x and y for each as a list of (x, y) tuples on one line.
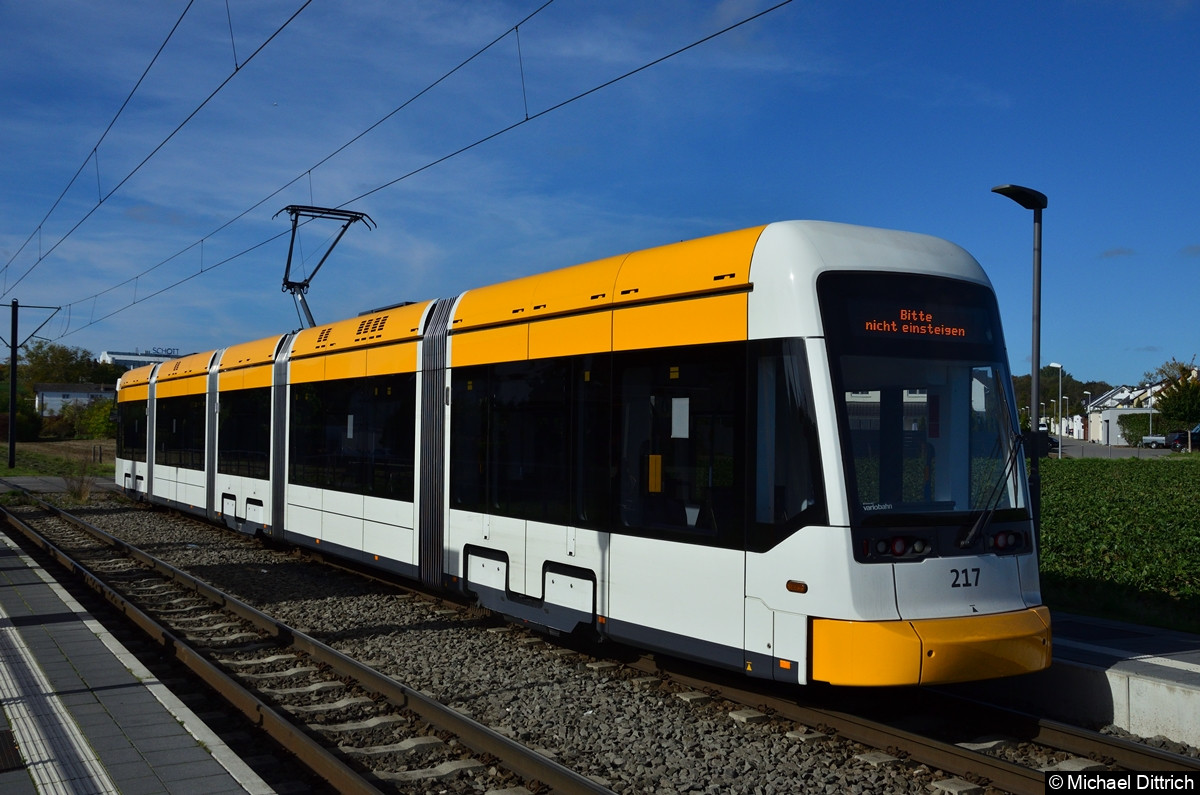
[(1077, 448)]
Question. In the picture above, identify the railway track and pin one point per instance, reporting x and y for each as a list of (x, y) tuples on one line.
[(914, 741), (357, 729), (983, 744)]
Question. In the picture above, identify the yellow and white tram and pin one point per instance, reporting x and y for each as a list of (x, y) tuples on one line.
[(789, 450)]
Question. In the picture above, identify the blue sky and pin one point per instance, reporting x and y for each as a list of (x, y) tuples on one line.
[(899, 115)]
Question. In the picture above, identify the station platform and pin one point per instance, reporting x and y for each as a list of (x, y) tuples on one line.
[(1141, 679), (83, 714), (46, 484)]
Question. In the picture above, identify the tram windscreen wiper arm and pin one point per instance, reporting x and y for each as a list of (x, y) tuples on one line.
[(985, 518)]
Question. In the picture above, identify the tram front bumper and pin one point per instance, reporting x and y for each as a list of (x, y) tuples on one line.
[(930, 651)]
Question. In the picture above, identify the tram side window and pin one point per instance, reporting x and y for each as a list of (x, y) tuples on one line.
[(527, 440), (355, 435), (244, 433), (179, 431), (591, 471), (510, 441), (470, 392), (530, 440), (787, 490), (131, 430), (680, 416), (394, 414)]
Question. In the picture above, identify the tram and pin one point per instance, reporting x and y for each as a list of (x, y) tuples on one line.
[(789, 450)]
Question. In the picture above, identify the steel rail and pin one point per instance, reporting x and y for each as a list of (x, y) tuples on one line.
[(314, 756), (950, 758), (523, 761), (1125, 753)]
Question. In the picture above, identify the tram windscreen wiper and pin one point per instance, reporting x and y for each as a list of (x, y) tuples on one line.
[(993, 501), (985, 517)]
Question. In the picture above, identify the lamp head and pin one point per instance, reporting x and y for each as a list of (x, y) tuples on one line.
[(1028, 198)]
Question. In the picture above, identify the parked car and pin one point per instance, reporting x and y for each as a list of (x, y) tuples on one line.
[(1178, 440), (1042, 441)]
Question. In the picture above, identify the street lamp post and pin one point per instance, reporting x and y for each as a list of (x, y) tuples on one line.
[(1065, 402), (1058, 421), (1034, 200), (1150, 405), (1087, 415)]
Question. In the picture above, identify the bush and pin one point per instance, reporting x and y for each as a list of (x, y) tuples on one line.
[(1137, 424), (29, 422), (1121, 538), (93, 421), (29, 426), (97, 420), (79, 480)]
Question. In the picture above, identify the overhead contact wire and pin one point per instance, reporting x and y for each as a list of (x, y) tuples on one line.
[(427, 166), (568, 101), (103, 135), (156, 149), (308, 172)]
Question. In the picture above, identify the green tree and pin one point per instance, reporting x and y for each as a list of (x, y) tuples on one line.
[(1179, 403), (45, 362), (97, 420), (29, 424), (1048, 391), (76, 421), (1171, 370)]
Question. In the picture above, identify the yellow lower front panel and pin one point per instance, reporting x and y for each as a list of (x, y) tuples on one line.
[(930, 651)]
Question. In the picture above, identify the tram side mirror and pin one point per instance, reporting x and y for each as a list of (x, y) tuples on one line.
[(1037, 443)]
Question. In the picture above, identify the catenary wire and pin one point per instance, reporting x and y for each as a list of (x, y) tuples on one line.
[(94, 153), (42, 255), (308, 172), (414, 172)]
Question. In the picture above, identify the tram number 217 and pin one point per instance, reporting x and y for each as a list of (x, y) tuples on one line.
[(964, 578)]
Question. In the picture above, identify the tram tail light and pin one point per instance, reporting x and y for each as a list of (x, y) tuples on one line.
[(897, 547), (1007, 539)]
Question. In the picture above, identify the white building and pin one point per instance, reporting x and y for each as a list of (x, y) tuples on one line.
[(133, 359), (1104, 411), (49, 399)]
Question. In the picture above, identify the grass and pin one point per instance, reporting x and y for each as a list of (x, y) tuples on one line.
[(80, 463), (95, 458)]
